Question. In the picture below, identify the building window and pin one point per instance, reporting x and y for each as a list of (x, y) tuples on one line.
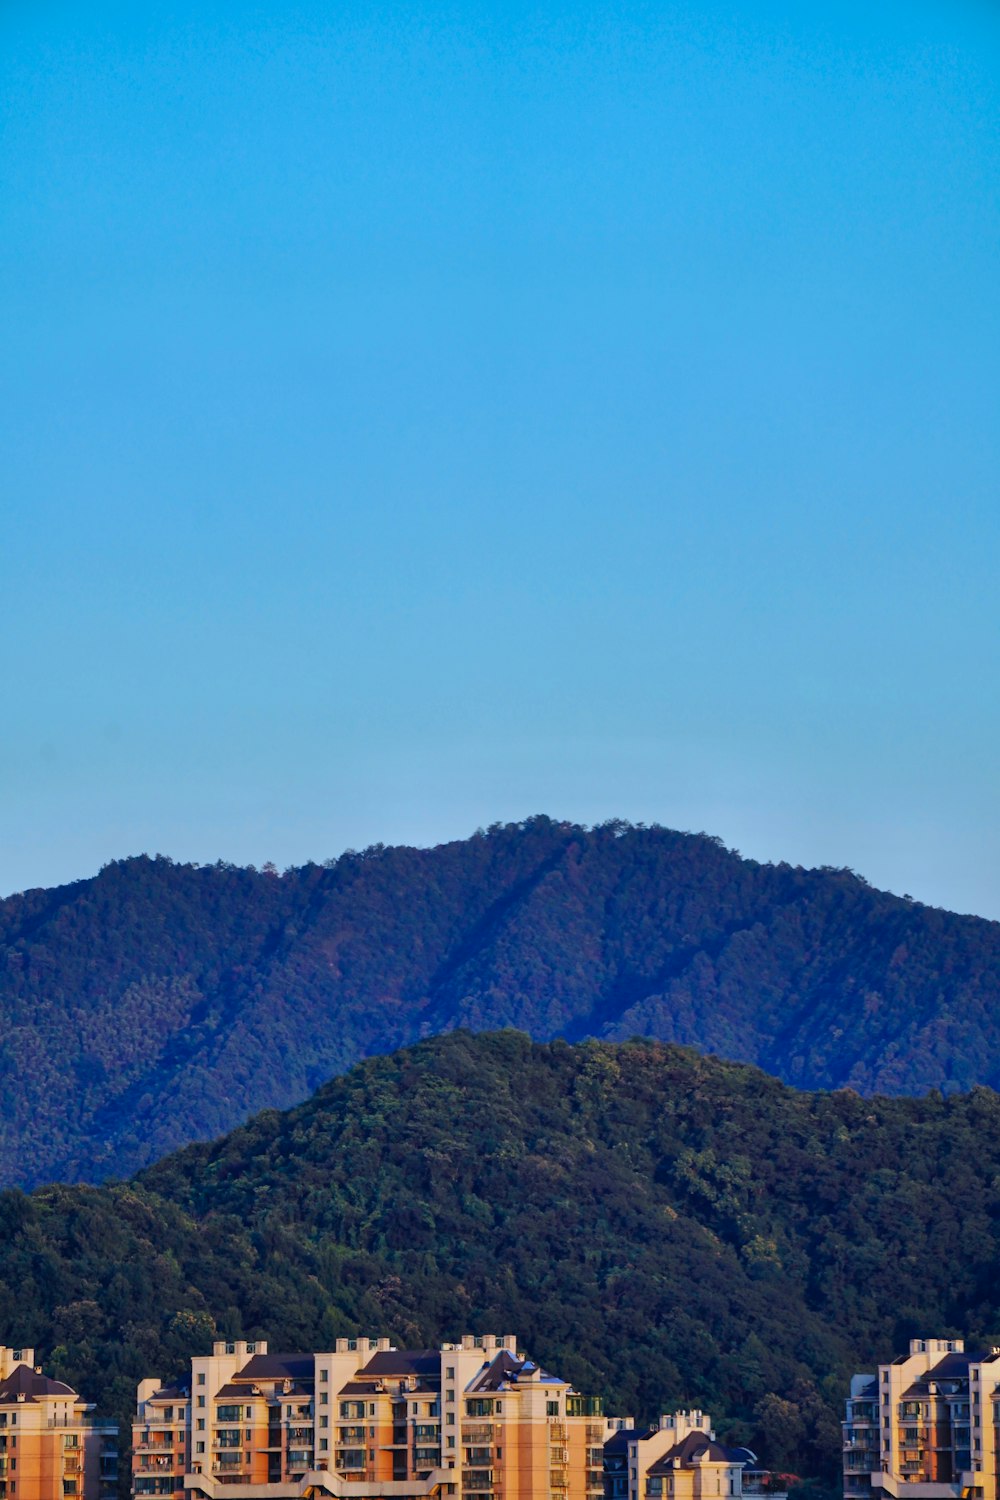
[(201, 1377), (552, 1408), (199, 1447)]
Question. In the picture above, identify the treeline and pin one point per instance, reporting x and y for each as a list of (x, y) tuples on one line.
[(162, 1003), (659, 1227)]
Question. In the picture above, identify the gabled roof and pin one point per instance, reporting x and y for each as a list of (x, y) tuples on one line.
[(504, 1369), (697, 1447), (171, 1393), (498, 1373), (25, 1382)]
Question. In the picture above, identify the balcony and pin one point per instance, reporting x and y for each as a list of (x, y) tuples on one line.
[(481, 1433), (351, 1459)]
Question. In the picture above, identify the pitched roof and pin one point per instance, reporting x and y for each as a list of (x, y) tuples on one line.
[(426, 1362), (498, 1373), (277, 1367), (619, 1441), (953, 1365), (694, 1448), (25, 1382)]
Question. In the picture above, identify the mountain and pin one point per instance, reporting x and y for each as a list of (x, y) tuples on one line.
[(660, 1227), (161, 1003)]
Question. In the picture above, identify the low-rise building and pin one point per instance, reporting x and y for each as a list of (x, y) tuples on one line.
[(51, 1446), (476, 1418), (925, 1425), (677, 1459)]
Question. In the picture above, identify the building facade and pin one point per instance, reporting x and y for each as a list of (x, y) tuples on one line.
[(677, 1459), (474, 1419), (51, 1447), (925, 1426)]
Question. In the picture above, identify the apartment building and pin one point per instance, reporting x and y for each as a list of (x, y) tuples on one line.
[(476, 1418), (677, 1459), (925, 1426), (51, 1447)]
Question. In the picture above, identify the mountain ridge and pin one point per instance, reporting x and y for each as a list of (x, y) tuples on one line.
[(661, 1227), (159, 1003)]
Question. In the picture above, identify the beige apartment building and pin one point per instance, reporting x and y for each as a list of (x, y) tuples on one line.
[(677, 1459), (51, 1447), (925, 1426), (475, 1419)]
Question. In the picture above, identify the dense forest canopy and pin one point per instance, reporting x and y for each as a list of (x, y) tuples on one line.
[(159, 1003), (658, 1226)]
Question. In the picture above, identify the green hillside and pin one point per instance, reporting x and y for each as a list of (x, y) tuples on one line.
[(158, 1003), (657, 1225)]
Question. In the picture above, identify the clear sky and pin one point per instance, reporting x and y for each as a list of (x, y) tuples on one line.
[(421, 414)]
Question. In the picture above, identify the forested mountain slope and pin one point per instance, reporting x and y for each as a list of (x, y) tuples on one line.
[(659, 1226), (159, 1003)]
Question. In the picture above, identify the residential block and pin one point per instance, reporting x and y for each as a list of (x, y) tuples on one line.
[(51, 1447), (925, 1426), (678, 1458), (475, 1419)]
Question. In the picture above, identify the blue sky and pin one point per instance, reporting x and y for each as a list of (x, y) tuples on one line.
[(418, 415)]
